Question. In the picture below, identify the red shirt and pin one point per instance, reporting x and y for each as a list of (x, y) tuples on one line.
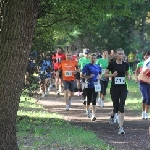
[(74, 57), (57, 59)]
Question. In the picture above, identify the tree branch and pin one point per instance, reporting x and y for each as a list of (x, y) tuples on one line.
[(48, 25)]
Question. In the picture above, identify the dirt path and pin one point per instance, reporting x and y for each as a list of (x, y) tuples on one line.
[(137, 134)]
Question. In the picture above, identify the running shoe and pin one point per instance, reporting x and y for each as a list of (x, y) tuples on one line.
[(67, 107), (143, 115), (84, 102), (93, 118), (88, 113), (46, 93), (102, 103), (43, 95), (99, 101), (121, 131), (146, 115), (111, 121), (78, 93), (57, 92)]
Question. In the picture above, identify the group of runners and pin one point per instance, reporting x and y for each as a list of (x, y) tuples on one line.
[(91, 73)]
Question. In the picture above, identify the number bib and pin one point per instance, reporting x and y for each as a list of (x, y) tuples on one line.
[(103, 71), (68, 73), (86, 84), (97, 86), (119, 80)]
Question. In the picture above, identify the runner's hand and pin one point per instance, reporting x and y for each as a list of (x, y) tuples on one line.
[(92, 75), (115, 74), (128, 77)]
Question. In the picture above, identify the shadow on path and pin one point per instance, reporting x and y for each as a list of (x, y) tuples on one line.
[(137, 134)]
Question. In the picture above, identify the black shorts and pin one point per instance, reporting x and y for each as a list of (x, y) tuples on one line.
[(104, 85), (68, 85), (77, 75), (83, 80)]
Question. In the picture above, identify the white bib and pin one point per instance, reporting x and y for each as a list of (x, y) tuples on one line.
[(119, 80), (68, 73), (97, 86), (103, 71), (86, 84)]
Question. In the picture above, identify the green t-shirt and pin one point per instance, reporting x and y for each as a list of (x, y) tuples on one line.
[(103, 63), (83, 61), (140, 64), (139, 57)]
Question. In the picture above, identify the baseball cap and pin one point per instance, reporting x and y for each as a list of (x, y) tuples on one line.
[(85, 51)]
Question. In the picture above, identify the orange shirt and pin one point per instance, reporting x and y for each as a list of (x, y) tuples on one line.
[(68, 67)]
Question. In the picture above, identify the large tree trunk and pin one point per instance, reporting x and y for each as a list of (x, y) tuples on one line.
[(17, 24)]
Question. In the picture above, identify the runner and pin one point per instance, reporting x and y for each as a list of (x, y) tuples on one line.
[(44, 75), (119, 70), (57, 58), (98, 55), (144, 87), (77, 75), (103, 62), (91, 73), (69, 69), (82, 62)]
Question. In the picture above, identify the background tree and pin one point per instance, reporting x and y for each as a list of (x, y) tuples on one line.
[(93, 24), (17, 24)]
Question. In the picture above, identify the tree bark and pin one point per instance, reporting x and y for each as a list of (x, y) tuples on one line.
[(18, 18)]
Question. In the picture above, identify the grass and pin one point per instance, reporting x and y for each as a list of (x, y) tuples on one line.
[(38, 129)]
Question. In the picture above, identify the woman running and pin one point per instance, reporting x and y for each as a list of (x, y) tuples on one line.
[(119, 70), (91, 72)]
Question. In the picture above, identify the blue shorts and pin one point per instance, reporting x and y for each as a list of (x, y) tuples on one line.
[(145, 92), (68, 85)]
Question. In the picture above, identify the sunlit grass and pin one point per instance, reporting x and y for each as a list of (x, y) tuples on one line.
[(37, 129)]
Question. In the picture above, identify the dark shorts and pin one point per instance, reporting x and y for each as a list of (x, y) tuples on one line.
[(104, 85), (68, 85), (83, 80), (77, 75)]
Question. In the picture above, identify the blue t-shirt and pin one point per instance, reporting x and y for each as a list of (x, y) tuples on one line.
[(91, 69), (44, 64)]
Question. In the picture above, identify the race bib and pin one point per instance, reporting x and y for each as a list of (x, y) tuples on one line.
[(86, 84), (103, 71), (119, 80), (97, 86), (68, 73)]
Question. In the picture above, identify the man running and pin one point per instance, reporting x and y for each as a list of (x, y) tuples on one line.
[(57, 58), (82, 62), (69, 69), (103, 63)]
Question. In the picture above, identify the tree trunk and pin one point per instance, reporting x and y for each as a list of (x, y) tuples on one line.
[(18, 19)]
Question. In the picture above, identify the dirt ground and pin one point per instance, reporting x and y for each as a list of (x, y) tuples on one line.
[(137, 130)]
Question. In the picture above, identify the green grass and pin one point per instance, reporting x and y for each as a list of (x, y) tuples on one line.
[(38, 129)]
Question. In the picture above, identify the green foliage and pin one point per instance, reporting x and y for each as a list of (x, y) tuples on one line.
[(98, 24)]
